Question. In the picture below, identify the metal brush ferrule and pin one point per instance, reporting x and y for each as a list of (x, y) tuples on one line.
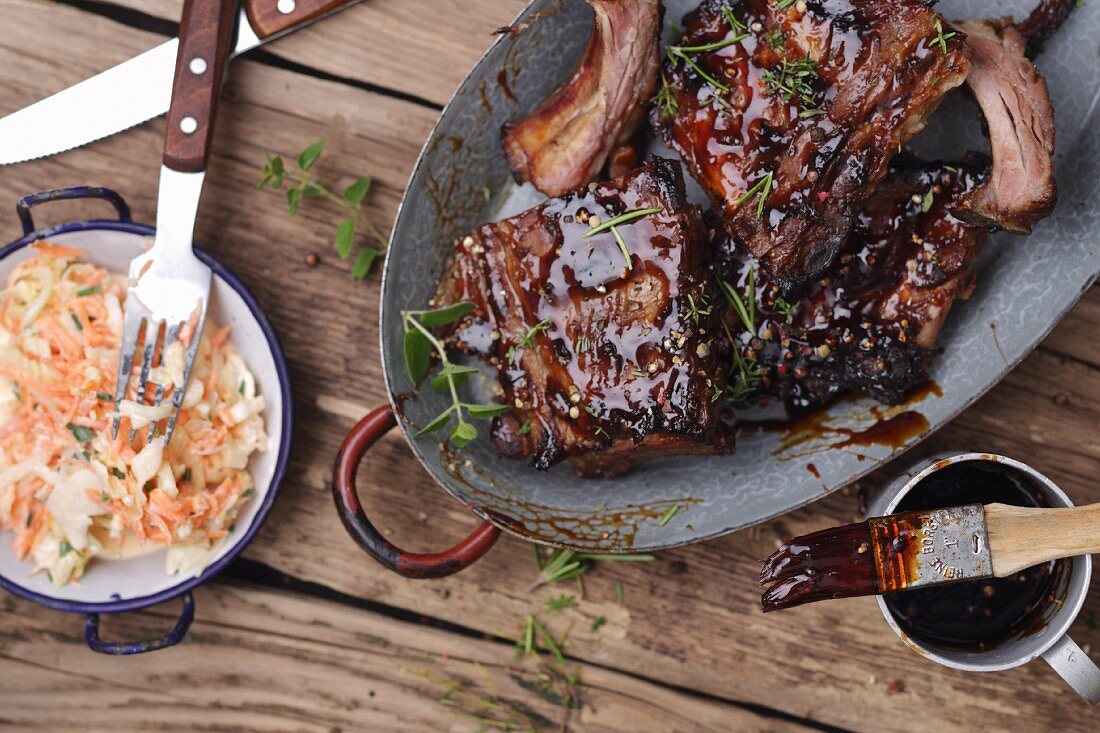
[(916, 549)]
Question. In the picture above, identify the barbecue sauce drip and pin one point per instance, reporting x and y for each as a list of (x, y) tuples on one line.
[(975, 613)]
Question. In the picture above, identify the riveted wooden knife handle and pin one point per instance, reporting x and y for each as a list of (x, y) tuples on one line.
[(1020, 537), (272, 17), (206, 31)]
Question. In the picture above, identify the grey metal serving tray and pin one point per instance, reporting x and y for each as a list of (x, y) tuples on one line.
[(1025, 285)]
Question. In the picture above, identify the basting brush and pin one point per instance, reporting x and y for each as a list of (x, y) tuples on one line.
[(918, 549)]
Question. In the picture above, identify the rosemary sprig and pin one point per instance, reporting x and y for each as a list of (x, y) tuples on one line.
[(613, 225), (748, 307), (746, 374), (418, 347), (761, 189), (667, 516), (275, 173), (624, 218), (676, 53), (794, 79), (623, 248), (567, 564), (734, 23), (942, 38), (709, 47)]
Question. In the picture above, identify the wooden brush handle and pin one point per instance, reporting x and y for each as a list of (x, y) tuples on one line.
[(206, 30), (1020, 537)]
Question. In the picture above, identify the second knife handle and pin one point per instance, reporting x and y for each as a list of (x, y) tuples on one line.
[(206, 32), (272, 17)]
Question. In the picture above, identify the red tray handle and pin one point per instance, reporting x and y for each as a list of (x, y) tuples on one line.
[(410, 564)]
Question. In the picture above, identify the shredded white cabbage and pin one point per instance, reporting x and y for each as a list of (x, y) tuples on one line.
[(69, 491)]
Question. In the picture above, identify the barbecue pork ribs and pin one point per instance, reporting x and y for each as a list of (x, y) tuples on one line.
[(1020, 190), (788, 116), (870, 324), (602, 337), (566, 141)]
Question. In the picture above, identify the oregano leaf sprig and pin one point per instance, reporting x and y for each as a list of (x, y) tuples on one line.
[(419, 344), (303, 185)]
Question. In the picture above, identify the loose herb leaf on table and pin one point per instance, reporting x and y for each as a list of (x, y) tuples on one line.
[(303, 185), (419, 345)]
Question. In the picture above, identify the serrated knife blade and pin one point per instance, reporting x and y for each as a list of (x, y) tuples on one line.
[(111, 101)]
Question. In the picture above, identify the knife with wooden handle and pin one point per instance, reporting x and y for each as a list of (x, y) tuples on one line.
[(139, 89)]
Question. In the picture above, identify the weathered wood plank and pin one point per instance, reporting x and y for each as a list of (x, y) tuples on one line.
[(690, 619), (417, 47), (261, 660)]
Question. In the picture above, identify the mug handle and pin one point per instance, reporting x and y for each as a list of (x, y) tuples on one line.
[(28, 202), (1075, 667), (173, 637), (409, 564)]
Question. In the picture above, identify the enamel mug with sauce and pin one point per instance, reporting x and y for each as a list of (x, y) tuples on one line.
[(1049, 638)]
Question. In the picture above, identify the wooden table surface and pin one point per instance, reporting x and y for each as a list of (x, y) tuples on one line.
[(307, 633)]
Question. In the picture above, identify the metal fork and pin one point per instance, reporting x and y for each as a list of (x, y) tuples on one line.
[(168, 285)]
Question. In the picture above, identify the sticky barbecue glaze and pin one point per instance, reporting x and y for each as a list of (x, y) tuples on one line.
[(605, 362), (870, 324), (871, 72)]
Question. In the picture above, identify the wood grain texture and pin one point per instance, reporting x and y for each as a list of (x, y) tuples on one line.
[(691, 619), (265, 661), (206, 30), (1020, 537), (422, 48), (268, 20)]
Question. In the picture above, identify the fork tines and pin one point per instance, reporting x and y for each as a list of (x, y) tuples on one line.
[(156, 337)]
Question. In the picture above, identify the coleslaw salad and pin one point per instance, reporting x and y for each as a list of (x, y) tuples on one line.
[(69, 492)]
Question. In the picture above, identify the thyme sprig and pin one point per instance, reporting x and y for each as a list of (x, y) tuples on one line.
[(666, 98), (761, 189), (527, 339), (419, 345), (303, 186), (785, 308), (561, 603)]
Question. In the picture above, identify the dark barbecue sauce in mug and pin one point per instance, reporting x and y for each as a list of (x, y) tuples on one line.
[(974, 614)]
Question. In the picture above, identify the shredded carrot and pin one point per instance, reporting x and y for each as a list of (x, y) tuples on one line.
[(60, 374)]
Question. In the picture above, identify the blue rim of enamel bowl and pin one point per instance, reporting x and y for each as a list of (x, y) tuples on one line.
[(133, 604)]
